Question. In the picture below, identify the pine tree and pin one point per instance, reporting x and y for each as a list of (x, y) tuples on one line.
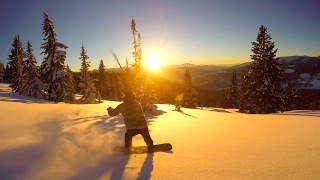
[(87, 89), (149, 99), (139, 51), (190, 96), (289, 98), (138, 84), (138, 76), (103, 84), (53, 70), (2, 72), (32, 85), (232, 96), (136, 47), (16, 63), (265, 78)]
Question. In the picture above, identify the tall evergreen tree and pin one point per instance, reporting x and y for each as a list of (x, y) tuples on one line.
[(139, 80), (16, 63), (32, 85), (139, 52), (265, 78), (289, 98), (87, 89), (232, 96), (136, 47), (103, 84), (53, 70), (190, 95)]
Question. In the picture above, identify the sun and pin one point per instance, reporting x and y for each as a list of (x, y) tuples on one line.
[(154, 62)]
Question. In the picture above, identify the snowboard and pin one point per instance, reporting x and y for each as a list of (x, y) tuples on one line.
[(144, 149)]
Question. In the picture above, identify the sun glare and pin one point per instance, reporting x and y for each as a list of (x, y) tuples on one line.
[(154, 62)]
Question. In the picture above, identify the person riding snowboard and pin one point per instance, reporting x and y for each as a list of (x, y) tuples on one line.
[(134, 120)]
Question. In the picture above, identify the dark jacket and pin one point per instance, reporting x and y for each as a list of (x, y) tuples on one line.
[(132, 113)]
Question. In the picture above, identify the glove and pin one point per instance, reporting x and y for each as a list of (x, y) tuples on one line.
[(109, 110)]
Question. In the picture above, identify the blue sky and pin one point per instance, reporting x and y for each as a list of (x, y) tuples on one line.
[(179, 31)]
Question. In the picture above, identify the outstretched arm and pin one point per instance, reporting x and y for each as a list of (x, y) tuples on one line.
[(114, 112), (111, 111)]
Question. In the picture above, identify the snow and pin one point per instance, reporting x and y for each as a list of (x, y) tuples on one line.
[(315, 82), (304, 75), (47, 140), (289, 71)]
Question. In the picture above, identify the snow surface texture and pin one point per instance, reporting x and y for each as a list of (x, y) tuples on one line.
[(46, 140)]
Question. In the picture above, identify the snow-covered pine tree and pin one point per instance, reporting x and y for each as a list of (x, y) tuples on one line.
[(138, 85), (265, 77), (190, 95), (11, 67), (16, 63), (289, 98), (32, 86), (2, 71), (232, 97), (149, 99), (53, 70), (103, 84), (87, 89)]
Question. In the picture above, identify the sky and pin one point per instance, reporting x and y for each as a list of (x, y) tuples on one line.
[(47, 140), (179, 31)]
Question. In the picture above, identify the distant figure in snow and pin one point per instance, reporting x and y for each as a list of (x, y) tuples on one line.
[(134, 119)]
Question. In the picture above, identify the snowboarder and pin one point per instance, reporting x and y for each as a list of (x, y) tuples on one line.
[(134, 120)]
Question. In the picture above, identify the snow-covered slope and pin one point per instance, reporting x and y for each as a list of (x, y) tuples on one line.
[(291, 58), (45, 140)]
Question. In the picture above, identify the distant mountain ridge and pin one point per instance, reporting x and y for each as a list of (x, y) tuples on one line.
[(302, 71)]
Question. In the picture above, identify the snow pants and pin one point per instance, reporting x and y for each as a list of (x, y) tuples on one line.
[(133, 132)]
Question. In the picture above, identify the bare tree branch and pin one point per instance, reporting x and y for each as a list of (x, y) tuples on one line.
[(116, 58)]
